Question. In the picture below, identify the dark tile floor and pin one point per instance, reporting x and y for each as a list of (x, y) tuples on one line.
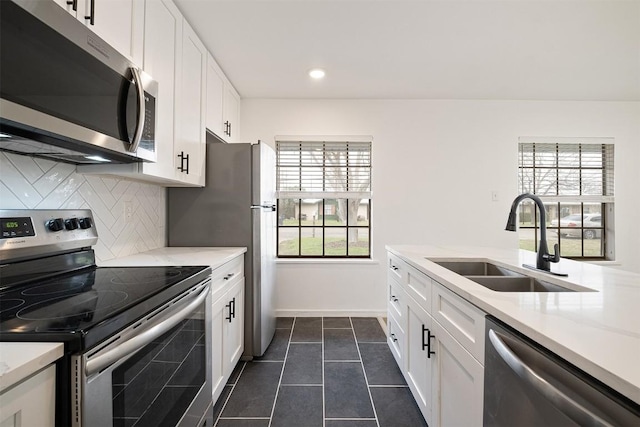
[(320, 372)]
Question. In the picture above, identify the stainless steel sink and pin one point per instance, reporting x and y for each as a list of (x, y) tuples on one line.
[(501, 279), (476, 268), (517, 284)]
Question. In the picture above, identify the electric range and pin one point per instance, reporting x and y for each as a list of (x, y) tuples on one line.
[(138, 334)]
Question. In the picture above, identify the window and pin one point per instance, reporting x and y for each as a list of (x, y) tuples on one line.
[(574, 179), (324, 199)]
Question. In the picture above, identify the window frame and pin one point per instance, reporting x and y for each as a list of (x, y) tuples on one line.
[(299, 195), (605, 200)]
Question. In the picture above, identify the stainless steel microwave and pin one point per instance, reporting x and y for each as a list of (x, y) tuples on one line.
[(66, 94)]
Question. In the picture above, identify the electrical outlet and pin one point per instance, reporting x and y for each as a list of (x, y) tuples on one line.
[(128, 212)]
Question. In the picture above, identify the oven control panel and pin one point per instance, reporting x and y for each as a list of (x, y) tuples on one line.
[(30, 232)]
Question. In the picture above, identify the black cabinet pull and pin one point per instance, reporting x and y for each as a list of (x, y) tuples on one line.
[(427, 345), (393, 338), (230, 314), (233, 305), (74, 3), (92, 13), (227, 128), (183, 158)]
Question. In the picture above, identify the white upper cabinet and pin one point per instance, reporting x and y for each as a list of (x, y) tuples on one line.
[(215, 95), (162, 48), (118, 22), (190, 142), (223, 104)]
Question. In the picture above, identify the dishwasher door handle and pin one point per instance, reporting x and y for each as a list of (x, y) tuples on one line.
[(564, 403)]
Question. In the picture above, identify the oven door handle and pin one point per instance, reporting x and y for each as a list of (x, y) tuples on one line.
[(134, 344), (557, 398)]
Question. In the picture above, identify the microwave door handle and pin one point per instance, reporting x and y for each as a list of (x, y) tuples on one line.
[(137, 136), (139, 341), (564, 403)]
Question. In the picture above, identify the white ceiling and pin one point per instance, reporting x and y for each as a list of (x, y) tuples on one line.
[(449, 49)]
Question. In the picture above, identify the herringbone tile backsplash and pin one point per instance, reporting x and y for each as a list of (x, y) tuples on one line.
[(30, 183)]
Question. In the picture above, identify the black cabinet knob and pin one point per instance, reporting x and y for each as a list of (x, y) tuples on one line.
[(56, 224), (85, 223), (71, 223)]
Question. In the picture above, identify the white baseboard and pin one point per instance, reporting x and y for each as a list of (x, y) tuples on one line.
[(331, 313)]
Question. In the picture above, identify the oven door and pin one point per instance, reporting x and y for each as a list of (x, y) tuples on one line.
[(154, 373)]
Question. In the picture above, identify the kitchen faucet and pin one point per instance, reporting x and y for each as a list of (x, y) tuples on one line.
[(544, 257)]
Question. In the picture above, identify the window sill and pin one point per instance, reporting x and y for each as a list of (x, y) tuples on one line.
[(327, 261), (605, 263)]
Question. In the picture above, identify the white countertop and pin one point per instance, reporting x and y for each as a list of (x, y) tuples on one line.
[(19, 360), (213, 257), (599, 332)]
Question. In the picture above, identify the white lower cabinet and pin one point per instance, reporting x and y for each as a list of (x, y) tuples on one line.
[(228, 324), (420, 358), (31, 402), (445, 376), (459, 379)]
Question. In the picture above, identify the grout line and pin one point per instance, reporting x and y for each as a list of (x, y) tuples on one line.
[(300, 385), (244, 418), (342, 361), (336, 328), (324, 409), (275, 400), (389, 386), (350, 419), (233, 387), (306, 342), (366, 380)]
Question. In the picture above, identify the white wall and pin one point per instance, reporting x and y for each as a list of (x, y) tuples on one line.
[(30, 183), (435, 164)]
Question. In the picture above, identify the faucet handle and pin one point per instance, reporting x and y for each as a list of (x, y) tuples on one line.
[(556, 254)]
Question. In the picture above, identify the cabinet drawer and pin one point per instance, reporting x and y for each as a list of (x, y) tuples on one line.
[(397, 268), (418, 286), (222, 276), (397, 305), (462, 320), (396, 340)]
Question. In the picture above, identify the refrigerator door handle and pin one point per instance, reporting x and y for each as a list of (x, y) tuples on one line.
[(272, 208)]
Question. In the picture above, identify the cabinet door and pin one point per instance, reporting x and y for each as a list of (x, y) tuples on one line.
[(162, 48), (459, 383), (232, 113), (189, 145), (219, 327), (31, 402), (215, 98), (118, 22), (72, 6), (234, 338), (420, 362)]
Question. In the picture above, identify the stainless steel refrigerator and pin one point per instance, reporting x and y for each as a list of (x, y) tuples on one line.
[(235, 208)]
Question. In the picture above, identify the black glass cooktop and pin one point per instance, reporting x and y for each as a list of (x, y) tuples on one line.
[(92, 302)]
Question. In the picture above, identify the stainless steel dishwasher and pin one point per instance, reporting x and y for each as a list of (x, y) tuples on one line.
[(527, 385)]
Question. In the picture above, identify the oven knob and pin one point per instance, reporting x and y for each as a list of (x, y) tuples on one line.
[(71, 223), (56, 224), (85, 223)]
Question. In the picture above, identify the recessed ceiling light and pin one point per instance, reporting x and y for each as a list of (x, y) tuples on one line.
[(316, 73)]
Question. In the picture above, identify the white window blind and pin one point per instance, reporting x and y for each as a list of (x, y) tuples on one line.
[(323, 169), (558, 172)]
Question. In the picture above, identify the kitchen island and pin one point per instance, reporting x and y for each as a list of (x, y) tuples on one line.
[(598, 330)]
